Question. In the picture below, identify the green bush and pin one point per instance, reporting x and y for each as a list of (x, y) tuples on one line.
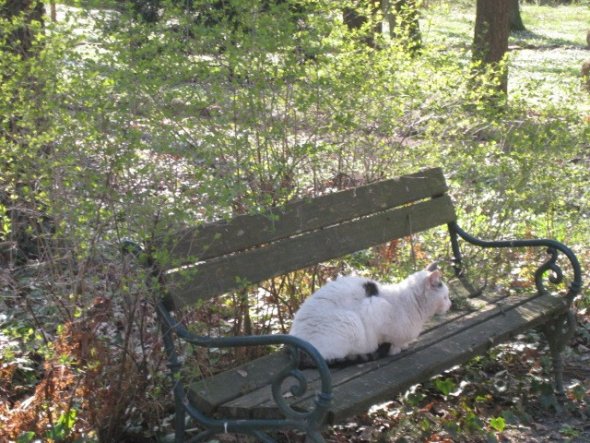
[(121, 127)]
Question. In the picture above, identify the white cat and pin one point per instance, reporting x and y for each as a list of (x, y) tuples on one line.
[(354, 318)]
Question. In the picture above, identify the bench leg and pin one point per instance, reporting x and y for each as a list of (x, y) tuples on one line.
[(179, 421), (558, 333)]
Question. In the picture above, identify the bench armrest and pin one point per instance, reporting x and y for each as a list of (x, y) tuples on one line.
[(553, 248), (295, 346)]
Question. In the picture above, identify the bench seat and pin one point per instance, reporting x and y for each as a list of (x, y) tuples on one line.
[(486, 320)]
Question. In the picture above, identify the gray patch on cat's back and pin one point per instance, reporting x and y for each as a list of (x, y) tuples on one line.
[(371, 289)]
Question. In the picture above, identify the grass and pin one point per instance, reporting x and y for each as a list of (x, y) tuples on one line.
[(544, 60), (555, 25)]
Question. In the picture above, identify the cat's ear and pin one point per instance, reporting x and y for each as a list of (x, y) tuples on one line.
[(435, 279), (432, 267)]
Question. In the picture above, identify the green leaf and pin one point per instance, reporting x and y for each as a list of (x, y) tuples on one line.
[(64, 425), (498, 424), (26, 437), (445, 386)]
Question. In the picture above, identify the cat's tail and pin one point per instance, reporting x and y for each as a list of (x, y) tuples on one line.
[(306, 362)]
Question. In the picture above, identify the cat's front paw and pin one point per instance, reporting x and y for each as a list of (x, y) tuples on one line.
[(395, 350)]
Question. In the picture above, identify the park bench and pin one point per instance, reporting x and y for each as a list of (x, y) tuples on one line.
[(271, 392)]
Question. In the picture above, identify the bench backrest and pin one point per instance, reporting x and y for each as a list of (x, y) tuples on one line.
[(225, 256)]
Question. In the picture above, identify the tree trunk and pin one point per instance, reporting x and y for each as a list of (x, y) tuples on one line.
[(490, 41), (586, 74), (147, 9), (403, 16), (516, 23), (355, 18), (53, 11)]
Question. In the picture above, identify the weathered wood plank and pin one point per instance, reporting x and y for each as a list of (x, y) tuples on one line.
[(230, 272), (361, 393), (463, 336), (259, 404), (216, 239), (211, 392)]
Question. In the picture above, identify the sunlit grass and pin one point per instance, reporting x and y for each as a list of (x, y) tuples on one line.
[(544, 60), (558, 25)]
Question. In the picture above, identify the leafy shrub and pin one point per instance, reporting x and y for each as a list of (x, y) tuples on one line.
[(134, 129)]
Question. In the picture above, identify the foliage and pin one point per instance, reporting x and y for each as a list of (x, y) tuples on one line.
[(134, 128), (487, 399)]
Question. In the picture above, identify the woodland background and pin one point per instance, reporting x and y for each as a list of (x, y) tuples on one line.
[(128, 119)]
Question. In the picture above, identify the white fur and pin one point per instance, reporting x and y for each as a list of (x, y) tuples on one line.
[(341, 320)]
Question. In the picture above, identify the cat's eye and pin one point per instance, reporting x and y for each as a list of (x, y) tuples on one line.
[(440, 284)]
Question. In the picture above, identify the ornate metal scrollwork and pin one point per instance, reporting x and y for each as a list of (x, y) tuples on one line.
[(553, 249), (309, 421), (300, 388), (291, 371), (558, 331), (549, 265)]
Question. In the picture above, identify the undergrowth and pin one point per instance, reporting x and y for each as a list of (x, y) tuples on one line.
[(133, 129)]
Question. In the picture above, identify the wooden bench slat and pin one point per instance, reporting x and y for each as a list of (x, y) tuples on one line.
[(231, 272), (222, 388), (395, 378), (209, 393), (220, 238), (446, 326), (497, 321)]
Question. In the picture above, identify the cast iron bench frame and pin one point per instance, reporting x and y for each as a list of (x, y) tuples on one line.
[(253, 248)]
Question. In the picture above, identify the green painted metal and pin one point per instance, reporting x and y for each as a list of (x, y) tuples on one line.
[(553, 248), (309, 421), (558, 331)]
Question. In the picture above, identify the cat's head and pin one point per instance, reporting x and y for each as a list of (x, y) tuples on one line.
[(435, 289)]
